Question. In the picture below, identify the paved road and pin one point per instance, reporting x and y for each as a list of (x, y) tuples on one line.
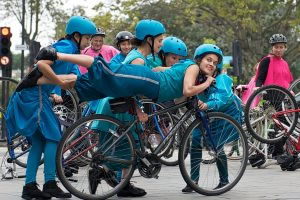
[(270, 183)]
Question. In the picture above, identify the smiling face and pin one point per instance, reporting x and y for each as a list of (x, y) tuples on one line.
[(125, 47), (171, 59), (208, 64), (97, 42), (278, 49)]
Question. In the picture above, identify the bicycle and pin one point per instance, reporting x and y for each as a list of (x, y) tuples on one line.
[(116, 149), (277, 111), (280, 114)]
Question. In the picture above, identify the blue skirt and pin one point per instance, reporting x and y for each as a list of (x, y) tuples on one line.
[(30, 110), (117, 81)]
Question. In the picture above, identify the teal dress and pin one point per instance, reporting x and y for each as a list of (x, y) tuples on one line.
[(125, 80), (104, 108), (30, 109), (219, 98), (171, 81)]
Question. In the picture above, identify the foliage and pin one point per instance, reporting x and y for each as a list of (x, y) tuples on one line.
[(251, 22)]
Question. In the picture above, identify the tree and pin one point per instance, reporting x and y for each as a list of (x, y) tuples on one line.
[(251, 22)]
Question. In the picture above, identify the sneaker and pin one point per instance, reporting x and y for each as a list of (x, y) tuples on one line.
[(51, 188), (96, 174), (220, 185), (30, 191), (131, 191), (187, 189)]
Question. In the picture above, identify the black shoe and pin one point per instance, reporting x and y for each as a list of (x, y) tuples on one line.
[(52, 188), (31, 191), (131, 191), (187, 189), (97, 174), (221, 184)]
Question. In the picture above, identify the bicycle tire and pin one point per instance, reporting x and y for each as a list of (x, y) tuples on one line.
[(8, 88), (234, 175), (295, 88), (268, 100), (81, 189)]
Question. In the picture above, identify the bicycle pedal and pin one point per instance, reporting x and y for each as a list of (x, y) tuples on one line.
[(9, 160)]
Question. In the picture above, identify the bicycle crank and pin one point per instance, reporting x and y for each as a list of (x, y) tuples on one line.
[(149, 166)]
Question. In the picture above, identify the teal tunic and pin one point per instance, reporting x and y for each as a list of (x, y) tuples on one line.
[(152, 63), (117, 59), (30, 109), (171, 81), (220, 98), (134, 54)]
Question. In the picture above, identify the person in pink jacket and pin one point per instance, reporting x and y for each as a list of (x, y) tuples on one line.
[(99, 48)]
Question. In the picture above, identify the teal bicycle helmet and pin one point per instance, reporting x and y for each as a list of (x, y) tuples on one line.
[(149, 27), (81, 25), (175, 46), (204, 49)]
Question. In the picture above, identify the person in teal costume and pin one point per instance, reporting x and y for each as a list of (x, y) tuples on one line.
[(124, 80), (149, 34), (172, 50), (218, 98), (30, 113)]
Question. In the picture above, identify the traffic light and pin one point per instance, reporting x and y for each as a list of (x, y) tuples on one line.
[(5, 43)]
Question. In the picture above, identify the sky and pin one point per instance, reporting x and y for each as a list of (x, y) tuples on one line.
[(46, 30)]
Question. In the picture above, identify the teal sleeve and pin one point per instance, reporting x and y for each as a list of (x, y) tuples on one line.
[(57, 91)]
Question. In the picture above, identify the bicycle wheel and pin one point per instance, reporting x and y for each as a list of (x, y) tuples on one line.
[(158, 127), (68, 111), (295, 89), (205, 177), (17, 146), (267, 101), (98, 140)]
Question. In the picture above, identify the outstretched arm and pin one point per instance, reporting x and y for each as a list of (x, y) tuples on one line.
[(79, 59), (49, 76)]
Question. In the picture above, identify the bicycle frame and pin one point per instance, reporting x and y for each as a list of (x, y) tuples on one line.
[(193, 109), (294, 141)]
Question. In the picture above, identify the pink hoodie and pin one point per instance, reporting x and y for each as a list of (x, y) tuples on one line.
[(108, 52), (278, 73)]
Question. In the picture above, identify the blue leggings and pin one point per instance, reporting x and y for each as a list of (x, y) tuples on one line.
[(116, 81), (41, 145), (196, 156)]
